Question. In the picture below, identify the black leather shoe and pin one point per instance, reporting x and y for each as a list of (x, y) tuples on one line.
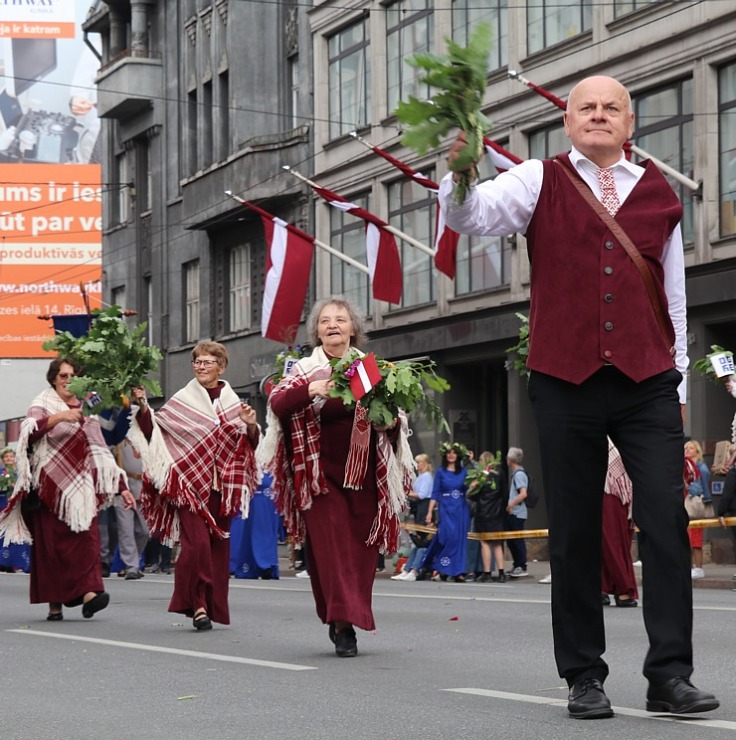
[(587, 700), (625, 603), (95, 604), (346, 643), (605, 600), (679, 696), (202, 622)]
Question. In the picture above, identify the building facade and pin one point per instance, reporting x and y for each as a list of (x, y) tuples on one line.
[(202, 97)]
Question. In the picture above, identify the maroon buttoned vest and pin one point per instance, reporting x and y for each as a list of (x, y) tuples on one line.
[(589, 306)]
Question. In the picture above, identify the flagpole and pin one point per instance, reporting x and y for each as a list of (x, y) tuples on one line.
[(317, 243), (663, 166), (396, 232)]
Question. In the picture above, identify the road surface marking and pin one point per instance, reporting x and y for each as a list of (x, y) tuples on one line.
[(171, 651)]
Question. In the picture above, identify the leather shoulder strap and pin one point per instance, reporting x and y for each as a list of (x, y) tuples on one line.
[(626, 243)]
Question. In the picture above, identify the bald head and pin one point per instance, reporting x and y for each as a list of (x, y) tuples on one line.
[(599, 118)]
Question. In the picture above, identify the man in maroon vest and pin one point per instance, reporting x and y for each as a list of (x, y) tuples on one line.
[(601, 364)]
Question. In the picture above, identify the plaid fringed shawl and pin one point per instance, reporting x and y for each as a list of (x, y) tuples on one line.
[(618, 483), (196, 446), (70, 468), (296, 469)]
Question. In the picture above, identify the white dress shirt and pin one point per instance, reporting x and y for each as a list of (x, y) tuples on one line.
[(506, 205)]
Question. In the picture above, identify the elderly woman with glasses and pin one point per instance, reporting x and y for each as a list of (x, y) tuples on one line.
[(339, 481), (199, 470), (65, 474)]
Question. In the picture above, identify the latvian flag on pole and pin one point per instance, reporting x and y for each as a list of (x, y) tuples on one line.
[(445, 242), (288, 267), (367, 376), (502, 159), (381, 250)]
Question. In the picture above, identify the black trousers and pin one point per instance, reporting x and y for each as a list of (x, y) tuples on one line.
[(644, 422)]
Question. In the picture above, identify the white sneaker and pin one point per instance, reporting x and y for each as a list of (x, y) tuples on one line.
[(399, 576), (518, 573), (697, 574), (546, 579), (410, 576), (302, 574)]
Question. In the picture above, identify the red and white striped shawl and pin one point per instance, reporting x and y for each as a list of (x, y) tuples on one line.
[(196, 446), (298, 477), (618, 483), (70, 468)]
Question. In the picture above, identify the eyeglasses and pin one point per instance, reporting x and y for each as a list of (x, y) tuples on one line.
[(204, 363), (66, 376)]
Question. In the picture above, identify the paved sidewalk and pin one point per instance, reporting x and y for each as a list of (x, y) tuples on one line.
[(716, 575)]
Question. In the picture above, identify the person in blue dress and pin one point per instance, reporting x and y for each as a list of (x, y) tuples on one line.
[(254, 541), (448, 550), (12, 557)]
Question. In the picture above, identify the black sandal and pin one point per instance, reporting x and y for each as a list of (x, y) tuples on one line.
[(202, 622)]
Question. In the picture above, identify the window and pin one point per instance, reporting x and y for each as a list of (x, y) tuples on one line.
[(206, 132), (240, 288), (191, 132), (293, 65), (548, 141), (117, 296), (664, 129), (347, 235), (467, 13), (223, 115), (727, 128), (408, 31), (483, 263), (143, 175), (147, 301), (412, 209), (349, 79), (191, 301), (552, 21), (121, 203), (622, 7)]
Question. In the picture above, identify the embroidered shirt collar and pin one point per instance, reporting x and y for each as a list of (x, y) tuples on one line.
[(580, 160)]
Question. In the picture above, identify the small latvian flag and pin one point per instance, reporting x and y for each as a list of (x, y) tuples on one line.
[(367, 375)]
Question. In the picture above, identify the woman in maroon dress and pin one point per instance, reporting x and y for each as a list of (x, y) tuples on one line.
[(199, 470), (309, 439), (65, 473)]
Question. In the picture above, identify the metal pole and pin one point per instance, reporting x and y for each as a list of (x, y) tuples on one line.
[(317, 243)]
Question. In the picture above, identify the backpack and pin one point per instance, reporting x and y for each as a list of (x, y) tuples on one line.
[(532, 497)]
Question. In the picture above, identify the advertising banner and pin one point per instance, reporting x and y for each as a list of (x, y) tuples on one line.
[(50, 176)]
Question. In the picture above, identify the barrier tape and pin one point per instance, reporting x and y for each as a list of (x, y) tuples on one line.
[(531, 534)]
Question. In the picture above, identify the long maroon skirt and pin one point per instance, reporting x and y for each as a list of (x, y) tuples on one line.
[(202, 571), (617, 572), (65, 565)]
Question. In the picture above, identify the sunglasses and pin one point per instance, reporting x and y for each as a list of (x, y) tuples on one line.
[(66, 376)]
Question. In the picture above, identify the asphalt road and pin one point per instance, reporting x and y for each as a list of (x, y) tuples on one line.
[(446, 661)]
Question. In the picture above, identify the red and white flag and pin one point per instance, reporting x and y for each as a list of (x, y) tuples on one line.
[(288, 268), (381, 250), (502, 158), (366, 376), (445, 241)]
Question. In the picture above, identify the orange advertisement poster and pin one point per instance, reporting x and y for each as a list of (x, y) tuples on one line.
[(50, 220), (50, 174)]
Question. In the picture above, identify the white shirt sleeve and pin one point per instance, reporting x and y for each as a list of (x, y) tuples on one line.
[(673, 262), (496, 207)]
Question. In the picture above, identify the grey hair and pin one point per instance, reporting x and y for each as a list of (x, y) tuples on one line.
[(359, 337), (515, 454)]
